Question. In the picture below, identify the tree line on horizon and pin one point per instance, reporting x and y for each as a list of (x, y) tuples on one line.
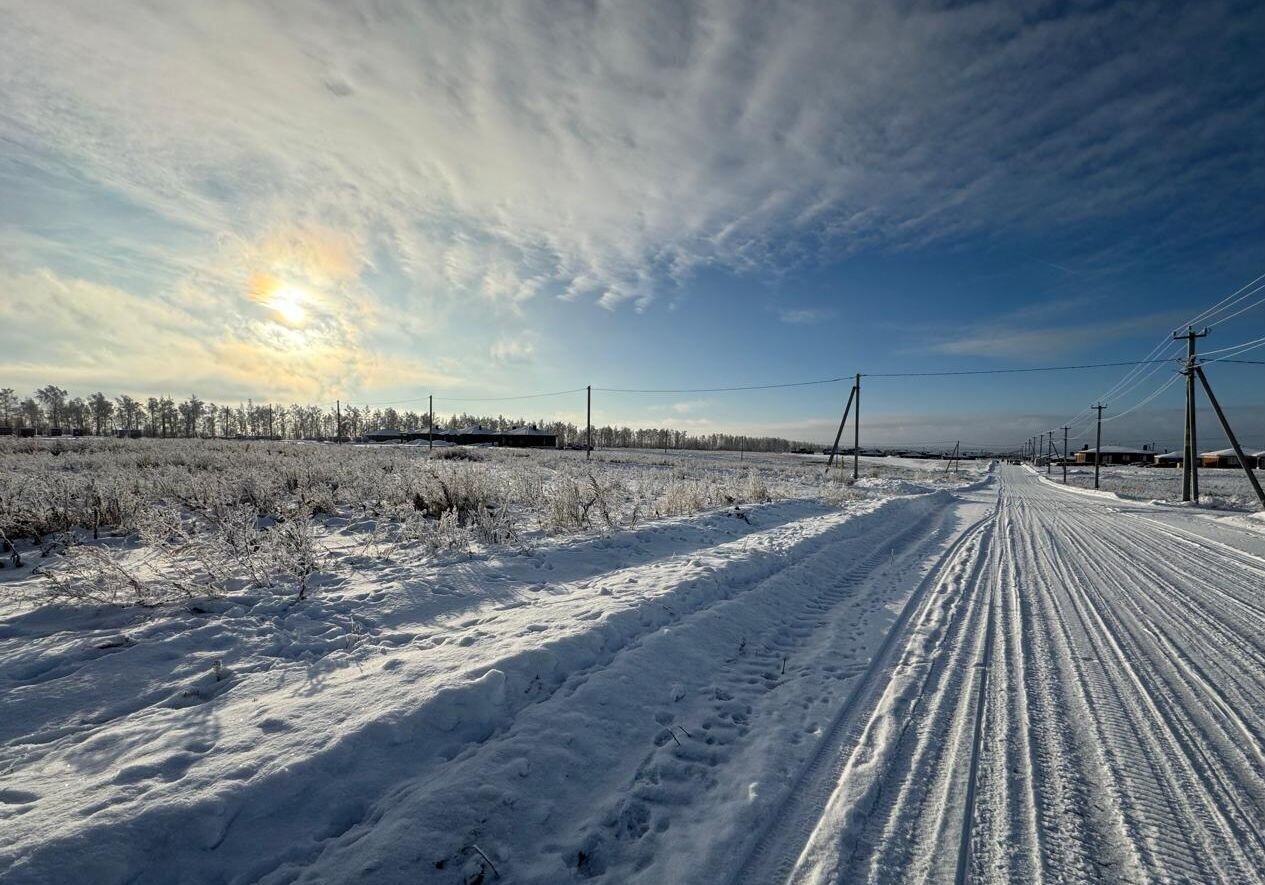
[(51, 408)]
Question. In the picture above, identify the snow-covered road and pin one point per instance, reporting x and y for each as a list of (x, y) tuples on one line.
[(1012, 682), (1081, 698)]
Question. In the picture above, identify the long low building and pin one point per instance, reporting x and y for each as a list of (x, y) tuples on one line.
[(1227, 458), (529, 436), (1115, 455)]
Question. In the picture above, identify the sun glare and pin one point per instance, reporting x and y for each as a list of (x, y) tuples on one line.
[(287, 303)]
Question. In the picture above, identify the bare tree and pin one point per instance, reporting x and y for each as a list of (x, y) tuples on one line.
[(167, 415), (32, 414), (210, 412), (77, 413), (129, 412), (53, 399), (190, 413), (8, 405), (102, 410)]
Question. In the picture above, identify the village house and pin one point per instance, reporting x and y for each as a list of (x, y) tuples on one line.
[(1115, 455)]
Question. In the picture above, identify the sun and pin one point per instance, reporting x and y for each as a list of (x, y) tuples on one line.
[(287, 302)]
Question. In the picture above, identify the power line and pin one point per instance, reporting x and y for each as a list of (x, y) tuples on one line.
[(1225, 303), (1013, 371), (1222, 305), (717, 389), (1256, 303), (1163, 387), (478, 399), (1241, 346)]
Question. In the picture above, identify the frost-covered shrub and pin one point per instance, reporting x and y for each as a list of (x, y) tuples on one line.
[(182, 518), (683, 496), (292, 548), (754, 490), (445, 488), (456, 453)]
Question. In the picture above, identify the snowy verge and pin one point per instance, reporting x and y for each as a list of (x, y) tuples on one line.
[(245, 737)]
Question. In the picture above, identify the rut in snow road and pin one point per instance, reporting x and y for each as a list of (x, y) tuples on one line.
[(1080, 697)]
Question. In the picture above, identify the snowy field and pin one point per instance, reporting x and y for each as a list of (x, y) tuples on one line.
[(1220, 488), (307, 663), (229, 661), (177, 519)]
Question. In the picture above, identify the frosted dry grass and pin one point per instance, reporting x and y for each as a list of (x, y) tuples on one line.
[(1220, 488), (154, 521)]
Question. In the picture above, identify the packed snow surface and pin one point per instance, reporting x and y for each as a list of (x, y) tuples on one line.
[(995, 680)]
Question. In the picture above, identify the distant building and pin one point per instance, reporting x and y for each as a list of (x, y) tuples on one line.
[(1113, 455), (529, 437), (1227, 458), (1169, 459), (472, 435)]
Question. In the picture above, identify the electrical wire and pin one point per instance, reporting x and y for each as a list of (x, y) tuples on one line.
[(1119, 389), (1221, 305), (1241, 344), (718, 389), (1136, 375), (1250, 347), (1010, 371), (1257, 303), (477, 399), (1159, 390)]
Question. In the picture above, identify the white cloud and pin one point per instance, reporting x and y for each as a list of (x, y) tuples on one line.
[(515, 350), (1077, 332), (89, 336), (804, 316), (606, 151)]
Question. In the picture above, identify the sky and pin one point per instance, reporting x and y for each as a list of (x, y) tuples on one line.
[(381, 201)]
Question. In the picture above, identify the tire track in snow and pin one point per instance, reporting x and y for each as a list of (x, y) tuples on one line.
[(775, 852), (1206, 791), (933, 616), (1085, 704)]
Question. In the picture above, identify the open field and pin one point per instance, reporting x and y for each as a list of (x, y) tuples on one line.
[(1218, 488), (739, 672), (181, 518)]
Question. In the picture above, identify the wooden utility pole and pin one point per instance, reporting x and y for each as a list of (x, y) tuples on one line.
[(1098, 443), (842, 421), (1064, 456), (430, 422), (1229, 434), (338, 421), (856, 434), (588, 446), (1190, 451), (1049, 452)]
